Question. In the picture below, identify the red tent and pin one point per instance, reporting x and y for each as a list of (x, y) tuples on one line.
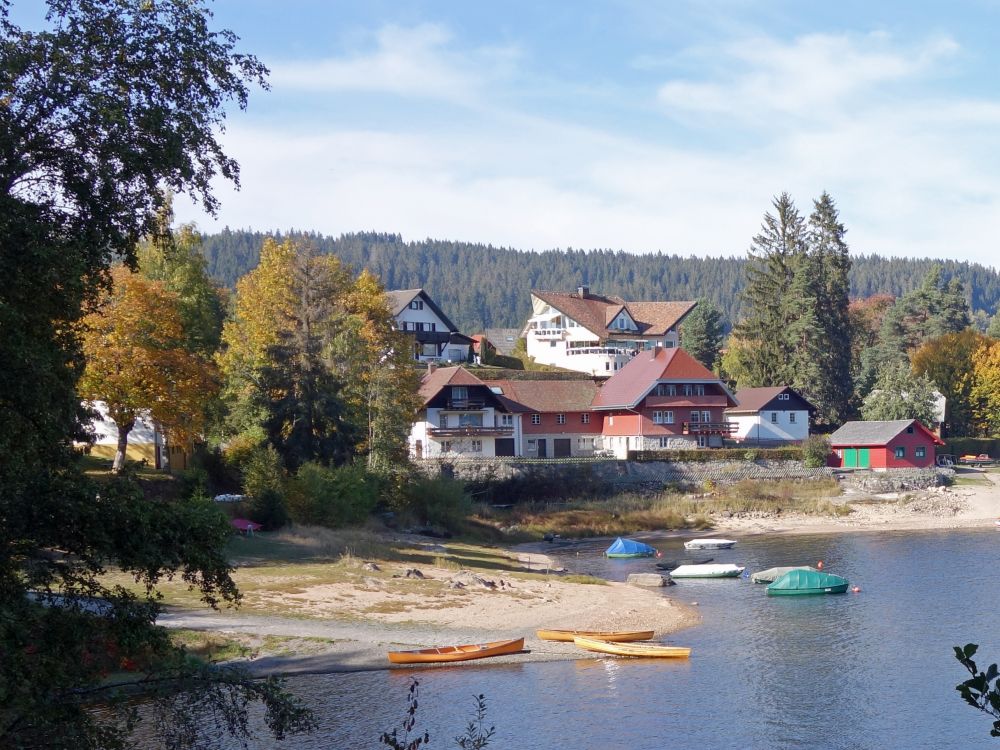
[(245, 525)]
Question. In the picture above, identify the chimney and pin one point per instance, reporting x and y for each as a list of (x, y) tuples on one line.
[(654, 351), (431, 367), (582, 291)]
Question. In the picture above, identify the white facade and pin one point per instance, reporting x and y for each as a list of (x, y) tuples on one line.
[(771, 425), (145, 441), (464, 433), (418, 317)]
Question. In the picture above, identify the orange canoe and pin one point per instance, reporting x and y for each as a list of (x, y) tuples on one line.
[(457, 653), (620, 636)]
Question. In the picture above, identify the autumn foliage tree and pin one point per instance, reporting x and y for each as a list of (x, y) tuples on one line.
[(137, 361), (948, 361), (985, 391)]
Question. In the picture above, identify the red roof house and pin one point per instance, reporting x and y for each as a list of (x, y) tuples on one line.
[(896, 444)]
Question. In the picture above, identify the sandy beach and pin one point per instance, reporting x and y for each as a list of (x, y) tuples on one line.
[(350, 625)]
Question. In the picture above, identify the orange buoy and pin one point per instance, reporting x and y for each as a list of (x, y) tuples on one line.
[(819, 565), (659, 554), (856, 589)]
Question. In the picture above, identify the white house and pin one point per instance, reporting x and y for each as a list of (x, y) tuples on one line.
[(770, 416), (435, 337), (597, 335), (146, 442)]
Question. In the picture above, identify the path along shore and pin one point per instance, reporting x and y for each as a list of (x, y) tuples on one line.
[(348, 628)]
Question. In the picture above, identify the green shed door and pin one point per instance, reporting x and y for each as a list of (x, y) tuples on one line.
[(850, 458), (864, 462)]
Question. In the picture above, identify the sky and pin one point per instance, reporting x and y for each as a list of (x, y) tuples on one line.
[(639, 126)]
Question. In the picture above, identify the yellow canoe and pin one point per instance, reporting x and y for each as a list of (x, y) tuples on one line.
[(633, 649), (457, 653), (619, 636)]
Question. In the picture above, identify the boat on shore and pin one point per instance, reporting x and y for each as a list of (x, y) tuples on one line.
[(457, 653), (613, 636), (629, 548), (649, 650), (773, 574), (710, 543), (806, 583), (717, 570)]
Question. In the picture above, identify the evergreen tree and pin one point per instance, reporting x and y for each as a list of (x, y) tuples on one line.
[(702, 331), (899, 394), (769, 312), (994, 329)]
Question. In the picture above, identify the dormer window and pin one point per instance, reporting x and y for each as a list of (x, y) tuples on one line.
[(417, 304)]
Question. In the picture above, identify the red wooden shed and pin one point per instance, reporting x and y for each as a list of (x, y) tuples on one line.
[(898, 444)]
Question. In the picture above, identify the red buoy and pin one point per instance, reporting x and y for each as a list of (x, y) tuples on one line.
[(819, 565), (659, 554), (856, 589)]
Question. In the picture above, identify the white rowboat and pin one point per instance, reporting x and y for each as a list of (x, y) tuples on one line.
[(716, 570), (708, 543)]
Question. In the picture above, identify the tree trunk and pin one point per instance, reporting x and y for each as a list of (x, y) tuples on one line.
[(124, 429)]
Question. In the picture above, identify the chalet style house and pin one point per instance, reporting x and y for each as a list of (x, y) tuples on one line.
[(597, 335), (435, 337), (661, 399), (664, 399), (770, 416)]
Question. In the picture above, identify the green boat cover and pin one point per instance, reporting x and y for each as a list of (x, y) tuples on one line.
[(773, 574), (808, 581), (629, 548)]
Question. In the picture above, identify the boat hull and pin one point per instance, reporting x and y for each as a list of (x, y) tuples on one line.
[(610, 636), (710, 544), (642, 650), (840, 588), (707, 571), (625, 555), (466, 652)]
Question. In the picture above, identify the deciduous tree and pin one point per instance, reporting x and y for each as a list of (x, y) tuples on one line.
[(985, 393), (948, 361), (899, 394)]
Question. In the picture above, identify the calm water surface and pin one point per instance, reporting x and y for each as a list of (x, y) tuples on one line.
[(868, 670)]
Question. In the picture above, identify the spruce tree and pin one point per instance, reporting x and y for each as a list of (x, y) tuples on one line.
[(702, 331)]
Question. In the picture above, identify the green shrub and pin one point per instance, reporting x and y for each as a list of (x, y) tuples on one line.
[(331, 497), (816, 451), (261, 470), (268, 509), (438, 501)]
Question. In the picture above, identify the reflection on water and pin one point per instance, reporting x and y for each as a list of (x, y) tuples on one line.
[(868, 670)]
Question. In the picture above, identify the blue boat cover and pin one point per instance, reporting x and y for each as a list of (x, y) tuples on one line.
[(629, 547)]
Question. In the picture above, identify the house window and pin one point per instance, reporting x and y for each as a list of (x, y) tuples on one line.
[(552, 345), (774, 417), (442, 420), (695, 417), (668, 344), (585, 443), (909, 430), (585, 418), (919, 452), (664, 442), (607, 365), (699, 390), (703, 441), (505, 420), (706, 417), (446, 446), (531, 445), (536, 419), (791, 417), (477, 446), (470, 420), (417, 304), (782, 397), (657, 417), (901, 452), (663, 417), (560, 419), (459, 393), (688, 389), (434, 326)]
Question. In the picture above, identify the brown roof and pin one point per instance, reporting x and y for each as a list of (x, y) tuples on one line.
[(755, 399), (432, 383), (549, 395), (596, 312), (629, 385)]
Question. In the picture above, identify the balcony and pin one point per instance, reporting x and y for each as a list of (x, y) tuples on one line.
[(708, 428), (548, 333), (655, 402), (466, 404), (470, 431), (600, 351)]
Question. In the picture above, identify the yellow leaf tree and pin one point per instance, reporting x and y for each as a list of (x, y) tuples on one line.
[(986, 388), (137, 363)]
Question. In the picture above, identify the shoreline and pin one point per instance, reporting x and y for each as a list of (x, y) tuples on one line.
[(369, 618)]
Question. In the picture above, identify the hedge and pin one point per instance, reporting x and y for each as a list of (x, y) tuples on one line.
[(718, 454), (961, 446)]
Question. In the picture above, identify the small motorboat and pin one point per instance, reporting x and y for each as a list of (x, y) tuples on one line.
[(612, 636), (708, 543), (629, 548), (716, 570), (671, 564), (654, 650), (773, 574), (807, 582), (457, 653)]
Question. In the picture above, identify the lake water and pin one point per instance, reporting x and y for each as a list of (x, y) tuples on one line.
[(867, 670)]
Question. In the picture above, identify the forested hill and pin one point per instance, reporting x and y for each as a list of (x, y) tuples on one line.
[(481, 286)]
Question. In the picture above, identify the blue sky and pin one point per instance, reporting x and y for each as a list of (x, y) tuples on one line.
[(632, 125)]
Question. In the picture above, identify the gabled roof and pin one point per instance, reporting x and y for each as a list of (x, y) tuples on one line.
[(548, 396), (629, 385), (432, 383), (504, 339), (752, 400), (596, 312), (399, 299), (876, 433)]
